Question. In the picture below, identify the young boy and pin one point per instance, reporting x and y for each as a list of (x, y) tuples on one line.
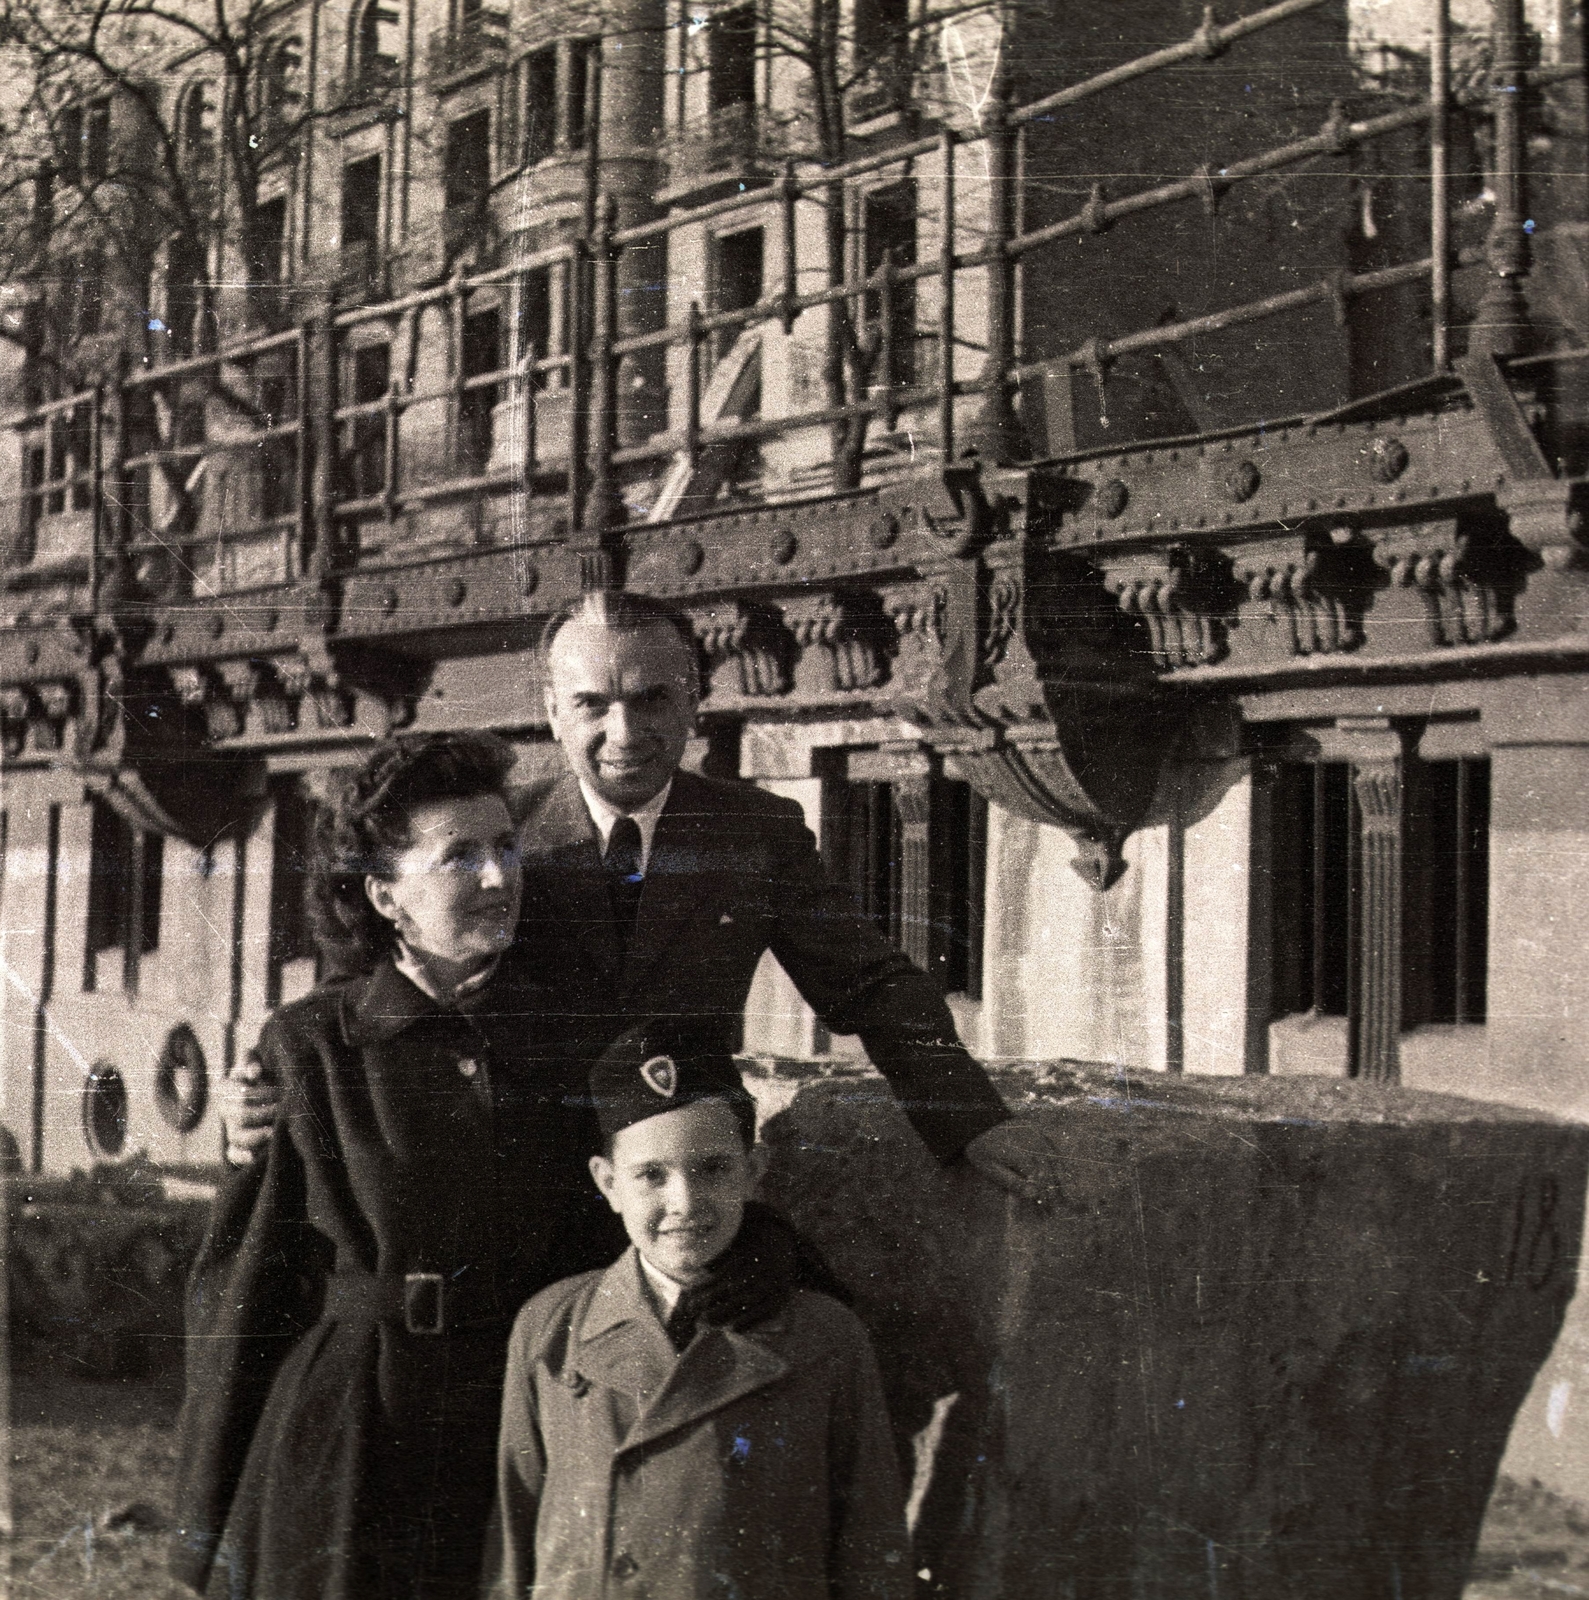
[(643, 1454)]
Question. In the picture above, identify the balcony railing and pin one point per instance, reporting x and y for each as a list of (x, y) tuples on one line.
[(476, 43), (902, 316)]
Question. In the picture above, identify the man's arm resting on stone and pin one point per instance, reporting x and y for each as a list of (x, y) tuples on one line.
[(858, 982)]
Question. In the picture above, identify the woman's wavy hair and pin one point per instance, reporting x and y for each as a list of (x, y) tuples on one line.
[(366, 827)]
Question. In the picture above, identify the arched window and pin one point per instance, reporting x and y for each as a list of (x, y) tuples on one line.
[(375, 54), (196, 125), (281, 82)]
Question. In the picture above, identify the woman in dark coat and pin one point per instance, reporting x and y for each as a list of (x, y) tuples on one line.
[(349, 1311)]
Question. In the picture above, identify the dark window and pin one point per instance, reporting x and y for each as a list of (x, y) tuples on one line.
[(361, 202), (88, 298), (277, 391), (540, 103), (1445, 910), (364, 436), (889, 231), (482, 354), (731, 58), (576, 91), (96, 141), (268, 240), (279, 92), (291, 932), (881, 29), (69, 145), (376, 44), (737, 270), (925, 895), (1313, 865), (197, 126), (124, 882), (466, 167), (535, 318), (187, 297), (1448, 900)]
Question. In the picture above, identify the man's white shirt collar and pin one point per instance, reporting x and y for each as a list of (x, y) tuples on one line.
[(604, 816)]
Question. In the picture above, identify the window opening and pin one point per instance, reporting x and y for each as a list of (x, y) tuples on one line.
[(731, 58), (738, 277), (880, 30), (361, 202), (268, 242), (124, 893), (1448, 826), (364, 461), (888, 226), (378, 44), (540, 103), (576, 90), (1317, 837), (466, 166), (482, 354)]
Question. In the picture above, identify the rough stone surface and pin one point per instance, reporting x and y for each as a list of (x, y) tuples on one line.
[(1270, 1345)]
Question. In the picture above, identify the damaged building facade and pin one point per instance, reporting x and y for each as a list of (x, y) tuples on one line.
[(1124, 465)]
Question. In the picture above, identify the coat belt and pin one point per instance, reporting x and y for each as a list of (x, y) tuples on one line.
[(423, 1303)]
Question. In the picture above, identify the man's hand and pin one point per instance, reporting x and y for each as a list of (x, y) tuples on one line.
[(248, 1102), (1018, 1156)]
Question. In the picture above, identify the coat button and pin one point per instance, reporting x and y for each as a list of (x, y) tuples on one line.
[(624, 1566), (468, 1066)]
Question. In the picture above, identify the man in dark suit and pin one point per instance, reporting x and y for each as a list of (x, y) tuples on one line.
[(650, 891)]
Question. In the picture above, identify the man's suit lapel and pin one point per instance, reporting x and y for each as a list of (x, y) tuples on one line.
[(675, 885), (567, 886)]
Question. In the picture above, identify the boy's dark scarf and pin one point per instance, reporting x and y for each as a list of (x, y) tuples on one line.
[(753, 1279)]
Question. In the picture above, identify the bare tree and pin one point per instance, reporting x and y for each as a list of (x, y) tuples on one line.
[(135, 130)]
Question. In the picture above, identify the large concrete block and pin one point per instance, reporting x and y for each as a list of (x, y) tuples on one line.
[(1271, 1346)]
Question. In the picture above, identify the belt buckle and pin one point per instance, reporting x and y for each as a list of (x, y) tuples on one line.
[(424, 1304)]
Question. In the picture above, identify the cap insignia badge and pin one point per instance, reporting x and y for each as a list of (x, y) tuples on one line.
[(661, 1075)]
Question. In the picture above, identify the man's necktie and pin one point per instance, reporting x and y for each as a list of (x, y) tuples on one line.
[(624, 878)]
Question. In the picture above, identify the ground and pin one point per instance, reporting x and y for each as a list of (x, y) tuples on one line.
[(90, 1463)]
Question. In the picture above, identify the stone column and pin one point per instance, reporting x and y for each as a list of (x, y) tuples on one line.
[(1374, 1009)]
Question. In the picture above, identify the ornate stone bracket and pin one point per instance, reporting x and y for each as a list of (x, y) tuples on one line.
[(1467, 588), (748, 652), (36, 715), (1311, 595), (1038, 695), (1182, 596), (843, 638)]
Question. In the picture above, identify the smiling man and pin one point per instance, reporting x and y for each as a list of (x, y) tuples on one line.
[(649, 890)]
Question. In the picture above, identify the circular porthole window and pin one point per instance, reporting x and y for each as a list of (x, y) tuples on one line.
[(182, 1080), (105, 1110)]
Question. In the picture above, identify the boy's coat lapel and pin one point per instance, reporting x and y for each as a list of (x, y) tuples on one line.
[(622, 1346), (718, 1369)]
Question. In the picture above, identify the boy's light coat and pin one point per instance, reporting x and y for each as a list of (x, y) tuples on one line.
[(756, 1465)]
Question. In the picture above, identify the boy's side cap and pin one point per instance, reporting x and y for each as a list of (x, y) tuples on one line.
[(661, 1065)]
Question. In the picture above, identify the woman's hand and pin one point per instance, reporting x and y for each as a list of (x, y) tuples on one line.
[(249, 1100)]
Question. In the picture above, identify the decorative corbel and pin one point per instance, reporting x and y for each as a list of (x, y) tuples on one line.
[(1183, 598), (13, 719), (1467, 591), (55, 706), (842, 639), (746, 647), (1037, 693)]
